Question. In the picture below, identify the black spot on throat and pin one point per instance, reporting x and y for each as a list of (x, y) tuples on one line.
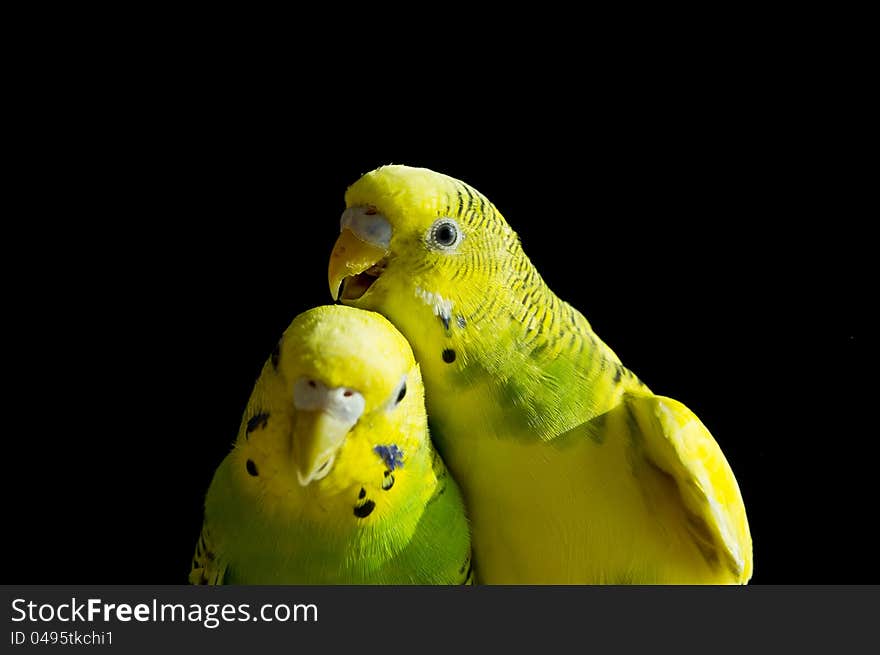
[(362, 511), (449, 355), (362, 493)]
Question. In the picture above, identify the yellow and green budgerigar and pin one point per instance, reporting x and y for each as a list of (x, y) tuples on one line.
[(333, 478), (572, 470)]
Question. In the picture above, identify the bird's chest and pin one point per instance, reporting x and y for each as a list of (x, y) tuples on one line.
[(546, 512)]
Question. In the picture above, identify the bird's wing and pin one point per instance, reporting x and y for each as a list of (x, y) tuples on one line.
[(207, 567), (679, 445)]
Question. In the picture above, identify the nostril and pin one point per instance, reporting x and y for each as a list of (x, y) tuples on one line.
[(312, 384), (348, 393)]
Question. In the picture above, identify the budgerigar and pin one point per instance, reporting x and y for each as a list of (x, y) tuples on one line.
[(572, 470), (333, 478)]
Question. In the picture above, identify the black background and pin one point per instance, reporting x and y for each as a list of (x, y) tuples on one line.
[(706, 221)]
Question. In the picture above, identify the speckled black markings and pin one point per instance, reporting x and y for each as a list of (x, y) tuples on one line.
[(469, 564), (632, 424), (539, 350), (365, 509), (596, 428), (276, 355), (704, 541), (460, 320), (618, 373), (202, 559), (449, 355), (388, 481), (442, 482), (257, 421), (251, 467)]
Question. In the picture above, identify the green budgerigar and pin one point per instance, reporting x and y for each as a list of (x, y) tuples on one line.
[(333, 478), (573, 471)]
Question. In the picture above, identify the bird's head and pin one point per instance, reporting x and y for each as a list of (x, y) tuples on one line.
[(413, 240), (339, 406)]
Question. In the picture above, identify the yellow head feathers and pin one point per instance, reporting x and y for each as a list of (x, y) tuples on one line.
[(346, 347), (418, 221), (342, 382)]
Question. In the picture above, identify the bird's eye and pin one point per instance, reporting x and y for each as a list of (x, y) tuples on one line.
[(402, 393), (444, 234)]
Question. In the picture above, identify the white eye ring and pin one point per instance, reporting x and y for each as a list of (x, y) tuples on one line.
[(445, 234)]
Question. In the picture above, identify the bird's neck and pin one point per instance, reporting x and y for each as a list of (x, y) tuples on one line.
[(547, 364)]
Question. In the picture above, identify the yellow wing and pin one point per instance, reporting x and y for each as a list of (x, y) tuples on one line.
[(680, 446), (207, 567)]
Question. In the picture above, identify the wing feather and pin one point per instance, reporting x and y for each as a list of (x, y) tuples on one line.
[(207, 567), (677, 443)]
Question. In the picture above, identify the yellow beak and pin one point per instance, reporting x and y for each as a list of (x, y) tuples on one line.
[(317, 436), (351, 255)]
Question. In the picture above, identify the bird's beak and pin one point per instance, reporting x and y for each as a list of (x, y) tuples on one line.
[(323, 418), (356, 262), (360, 253), (317, 436)]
